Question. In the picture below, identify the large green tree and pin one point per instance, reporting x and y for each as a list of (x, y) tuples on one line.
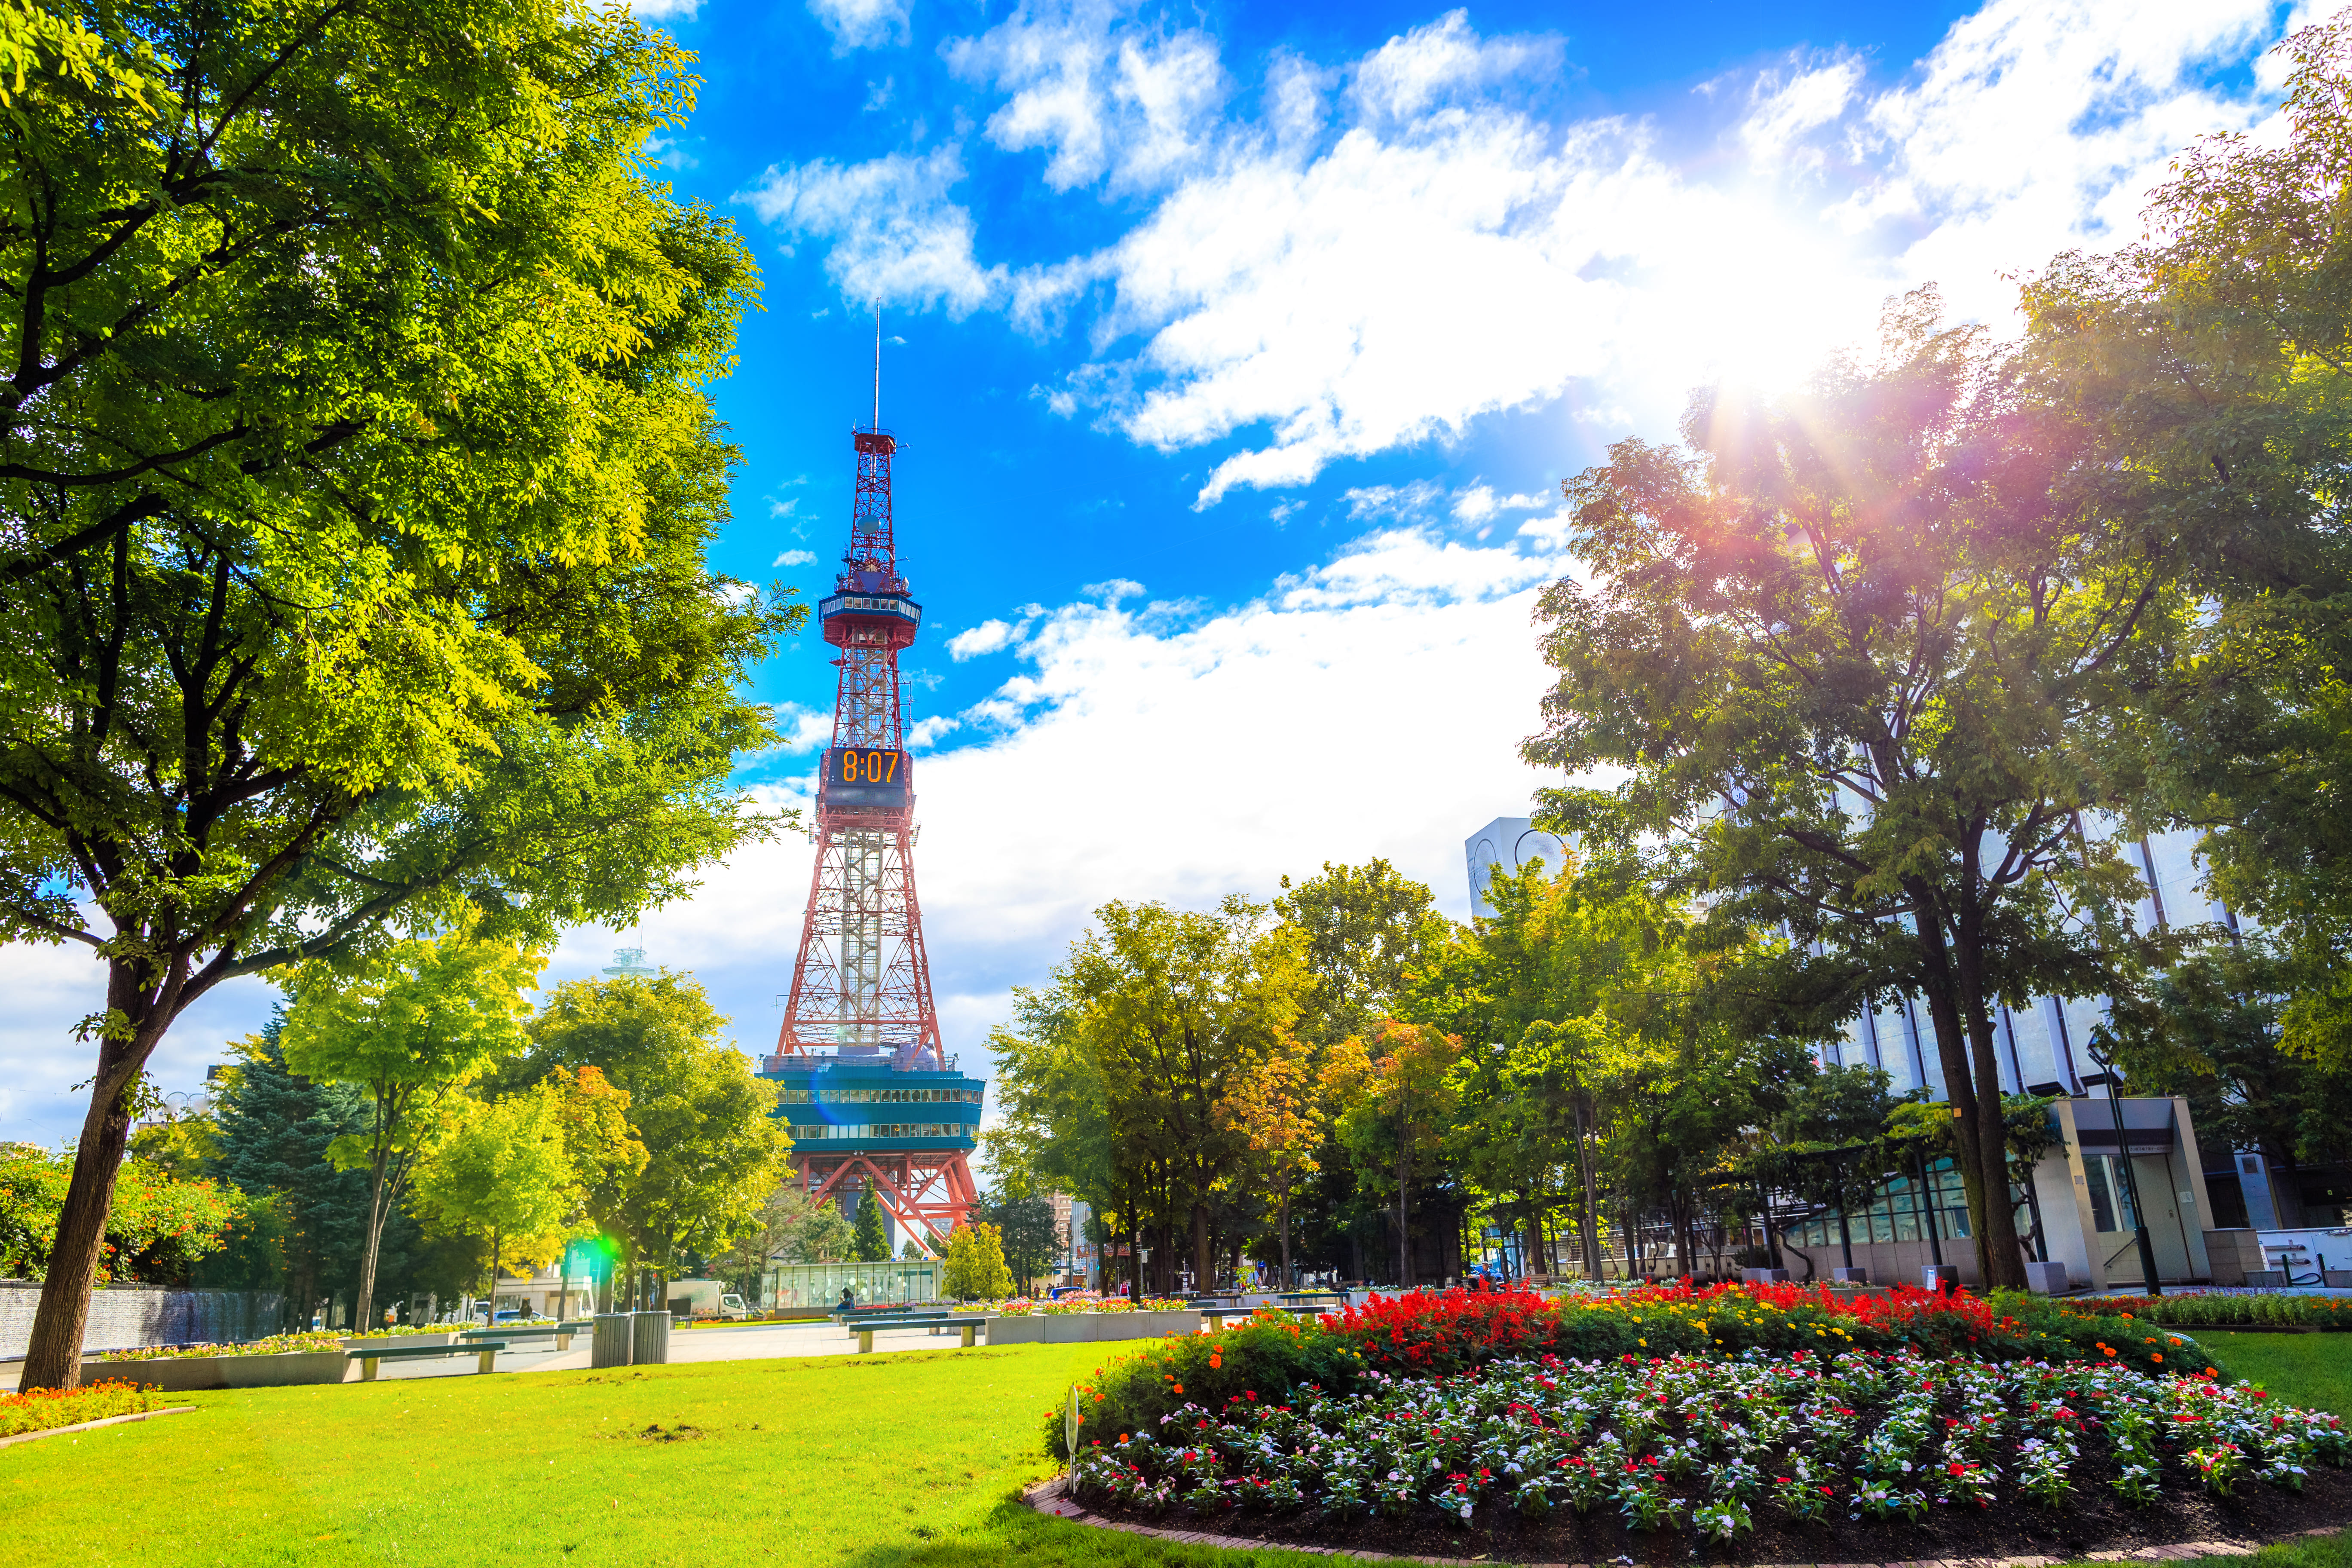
[(356, 471), (1858, 653), (1366, 930), (409, 1027), (1110, 1080), (499, 1172), (715, 1150)]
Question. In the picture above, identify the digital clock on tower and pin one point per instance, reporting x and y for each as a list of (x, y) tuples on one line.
[(876, 777)]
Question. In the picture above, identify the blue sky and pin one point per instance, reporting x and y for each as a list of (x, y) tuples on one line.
[(1238, 353)]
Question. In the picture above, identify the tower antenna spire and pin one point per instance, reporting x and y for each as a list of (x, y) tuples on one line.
[(877, 364)]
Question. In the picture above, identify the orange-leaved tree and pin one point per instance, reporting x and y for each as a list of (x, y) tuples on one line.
[(1277, 1106)]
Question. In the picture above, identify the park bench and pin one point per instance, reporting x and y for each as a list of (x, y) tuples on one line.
[(487, 1349), (887, 1314), (1217, 1315), (864, 1332), (901, 1320), (561, 1334)]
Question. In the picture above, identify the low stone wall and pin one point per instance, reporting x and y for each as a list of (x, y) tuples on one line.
[(126, 1317)]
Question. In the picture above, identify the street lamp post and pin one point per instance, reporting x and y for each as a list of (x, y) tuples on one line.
[(2131, 1179)]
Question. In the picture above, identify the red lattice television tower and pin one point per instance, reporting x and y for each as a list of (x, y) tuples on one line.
[(885, 1111)]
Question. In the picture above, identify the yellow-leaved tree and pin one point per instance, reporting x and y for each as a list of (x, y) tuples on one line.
[(974, 1265), (501, 1173)]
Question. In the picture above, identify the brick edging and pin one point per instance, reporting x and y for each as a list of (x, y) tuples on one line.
[(1046, 1497), (94, 1426)]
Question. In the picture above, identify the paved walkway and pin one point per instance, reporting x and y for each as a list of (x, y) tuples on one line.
[(744, 1341)]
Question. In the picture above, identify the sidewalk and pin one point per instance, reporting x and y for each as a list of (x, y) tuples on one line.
[(749, 1341)]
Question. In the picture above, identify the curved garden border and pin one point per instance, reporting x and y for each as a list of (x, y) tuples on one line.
[(1046, 1497), (94, 1426)]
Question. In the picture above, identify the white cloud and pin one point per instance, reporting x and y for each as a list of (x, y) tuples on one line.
[(665, 10), (1137, 107), (1408, 76), (1786, 106), (862, 24), (924, 733), (989, 636), (891, 232), (1480, 503), (795, 558)]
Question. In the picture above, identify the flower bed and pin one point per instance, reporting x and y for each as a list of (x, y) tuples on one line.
[(275, 1344), (1431, 1333), (1856, 1454), (42, 1408), (2215, 1309)]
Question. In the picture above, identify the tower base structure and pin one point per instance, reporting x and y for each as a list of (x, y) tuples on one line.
[(861, 1122)]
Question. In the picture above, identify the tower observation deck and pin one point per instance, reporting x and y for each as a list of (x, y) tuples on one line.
[(874, 1101)]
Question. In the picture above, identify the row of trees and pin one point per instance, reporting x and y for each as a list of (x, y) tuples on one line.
[(1341, 1079), (418, 1111)]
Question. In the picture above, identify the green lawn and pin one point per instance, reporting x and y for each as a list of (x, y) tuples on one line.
[(912, 1457), (908, 1459)]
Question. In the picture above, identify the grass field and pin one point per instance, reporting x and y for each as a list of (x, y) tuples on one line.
[(910, 1458)]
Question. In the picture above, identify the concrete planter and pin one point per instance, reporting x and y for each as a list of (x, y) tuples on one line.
[(1071, 1328), (176, 1375), (1153, 1325), (1016, 1330), (284, 1371), (181, 1375), (402, 1341)]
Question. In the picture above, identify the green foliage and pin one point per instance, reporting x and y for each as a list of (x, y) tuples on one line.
[(714, 1149), (872, 1240), (275, 1128), (973, 1265), (1024, 1229), (2260, 1311), (160, 1227), (2209, 364), (1857, 652), (1111, 1079), (1367, 931), (499, 1171), (410, 1026)]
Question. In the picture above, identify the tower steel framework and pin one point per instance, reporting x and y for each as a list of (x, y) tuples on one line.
[(860, 1030)]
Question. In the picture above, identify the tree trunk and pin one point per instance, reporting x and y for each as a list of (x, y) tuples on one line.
[(53, 1355), (1404, 1214), (1288, 1283), (1535, 1244), (2001, 1258), (1588, 1222), (1955, 992)]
